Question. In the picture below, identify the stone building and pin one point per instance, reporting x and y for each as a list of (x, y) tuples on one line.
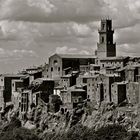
[(40, 89), (6, 84), (59, 62), (111, 70), (94, 67), (69, 79), (26, 101), (45, 71), (131, 72), (33, 73), (133, 92), (118, 92), (17, 86), (2, 103), (44, 87), (103, 87), (99, 87), (91, 90), (72, 96), (114, 62)]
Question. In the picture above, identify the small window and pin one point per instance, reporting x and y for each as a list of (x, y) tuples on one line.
[(55, 62), (103, 26), (51, 68), (102, 39), (1, 79), (58, 68), (109, 27)]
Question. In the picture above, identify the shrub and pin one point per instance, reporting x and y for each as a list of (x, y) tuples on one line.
[(19, 134), (80, 132)]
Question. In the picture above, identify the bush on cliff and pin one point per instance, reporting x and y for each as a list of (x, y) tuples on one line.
[(14, 131), (79, 132)]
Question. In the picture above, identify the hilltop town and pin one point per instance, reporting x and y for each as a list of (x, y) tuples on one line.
[(70, 82)]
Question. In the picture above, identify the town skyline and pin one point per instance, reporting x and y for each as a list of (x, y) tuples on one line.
[(31, 31)]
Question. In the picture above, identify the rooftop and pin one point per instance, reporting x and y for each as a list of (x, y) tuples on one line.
[(121, 83), (114, 58), (59, 87), (76, 89), (12, 75), (66, 76), (111, 75), (112, 68), (75, 56), (95, 65)]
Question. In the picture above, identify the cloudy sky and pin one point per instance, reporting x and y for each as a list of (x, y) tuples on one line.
[(32, 30)]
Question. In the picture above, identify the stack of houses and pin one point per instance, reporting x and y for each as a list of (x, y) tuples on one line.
[(103, 77)]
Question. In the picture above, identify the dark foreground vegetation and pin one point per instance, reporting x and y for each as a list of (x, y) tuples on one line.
[(14, 131), (79, 132)]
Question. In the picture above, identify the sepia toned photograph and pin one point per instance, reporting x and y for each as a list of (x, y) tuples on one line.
[(69, 69)]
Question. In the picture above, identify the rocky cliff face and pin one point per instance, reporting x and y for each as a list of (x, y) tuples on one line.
[(106, 114), (43, 122)]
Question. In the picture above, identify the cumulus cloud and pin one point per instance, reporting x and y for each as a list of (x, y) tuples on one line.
[(82, 30), (52, 11), (128, 35), (124, 12), (16, 53), (67, 50), (128, 50), (25, 10), (42, 25)]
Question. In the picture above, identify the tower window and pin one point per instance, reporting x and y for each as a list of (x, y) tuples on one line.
[(51, 68), (102, 39), (55, 62), (109, 28), (103, 26), (58, 68)]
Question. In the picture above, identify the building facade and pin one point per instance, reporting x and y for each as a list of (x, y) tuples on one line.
[(59, 62)]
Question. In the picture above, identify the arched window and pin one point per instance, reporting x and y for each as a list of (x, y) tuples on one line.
[(55, 62)]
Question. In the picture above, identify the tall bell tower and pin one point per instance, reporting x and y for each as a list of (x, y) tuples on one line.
[(106, 47)]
